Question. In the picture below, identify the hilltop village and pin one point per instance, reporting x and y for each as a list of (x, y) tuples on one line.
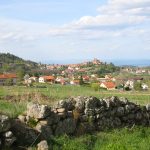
[(95, 73)]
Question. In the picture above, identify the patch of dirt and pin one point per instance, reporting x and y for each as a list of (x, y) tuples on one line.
[(26, 97)]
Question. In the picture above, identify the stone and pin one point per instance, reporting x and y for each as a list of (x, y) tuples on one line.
[(9, 138), (71, 104), (116, 122), (8, 134), (24, 134), (43, 145), (66, 126), (44, 129), (62, 115), (84, 118), (61, 110), (70, 114), (54, 118), (22, 118), (89, 112), (38, 111), (85, 127), (148, 107), (62, 104), (138, 116), (80, 104), (120, 111), (92, 102), (5, 123)]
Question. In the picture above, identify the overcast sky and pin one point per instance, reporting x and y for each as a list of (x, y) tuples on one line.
[(45, 30)]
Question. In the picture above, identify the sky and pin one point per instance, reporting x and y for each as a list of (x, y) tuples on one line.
[(67, 30)]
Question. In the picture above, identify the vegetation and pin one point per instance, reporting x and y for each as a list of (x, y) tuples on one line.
[(138, 86), (13, 99), (12, 63), (119, 139)]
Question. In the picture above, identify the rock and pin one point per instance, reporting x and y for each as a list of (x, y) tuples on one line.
[(129, 108), (44, 129), (92, 103), (138, 116), (42, 145), (70, 114), (62, 104), (54, 118), (61, 115), (5, 123), (71, 104), (116, 122), (124, 100), (25, 135), (80, 104), (67, 126), (84, 118), (85, 127), (89, 112), (61, 110), (9, 138), (8, 134), (148, 107), (22, 118), (38, 111), (120, 111)]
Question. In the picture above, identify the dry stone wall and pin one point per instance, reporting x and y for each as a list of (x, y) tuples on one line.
[(74, 116)]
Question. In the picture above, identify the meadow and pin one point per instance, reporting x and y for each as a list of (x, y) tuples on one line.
[(13, 100)]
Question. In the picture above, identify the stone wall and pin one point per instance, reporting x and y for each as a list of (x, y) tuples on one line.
[(77, 116)]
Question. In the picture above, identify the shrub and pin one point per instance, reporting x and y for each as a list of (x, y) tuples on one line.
[(95, 86)]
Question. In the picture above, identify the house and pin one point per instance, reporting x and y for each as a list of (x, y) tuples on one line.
[(108, 85), (34, 79), (144, 86), (86, 78), (46, 79), (62, 80), (75, 82), (130, 84), (5, 77)]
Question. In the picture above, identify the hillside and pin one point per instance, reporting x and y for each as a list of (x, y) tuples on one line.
[(11, 63)]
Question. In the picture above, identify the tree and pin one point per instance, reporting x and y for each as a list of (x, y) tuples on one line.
[(137, 86), (95, 86), (20, 74), (9, 82), (81, 82)]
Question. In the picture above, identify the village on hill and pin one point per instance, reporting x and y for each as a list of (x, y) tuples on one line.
[(95, 73)]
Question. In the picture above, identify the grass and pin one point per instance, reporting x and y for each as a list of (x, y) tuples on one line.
[(57, 92), (12, 109), (119, 139)]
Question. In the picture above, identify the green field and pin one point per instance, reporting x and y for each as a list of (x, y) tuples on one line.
[(13, 100)]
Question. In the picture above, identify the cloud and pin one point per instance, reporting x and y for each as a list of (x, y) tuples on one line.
[(17, 30), (125, 7), (114, 18)]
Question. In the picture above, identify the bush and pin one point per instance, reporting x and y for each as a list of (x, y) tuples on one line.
[(95, 86), (138, 86)]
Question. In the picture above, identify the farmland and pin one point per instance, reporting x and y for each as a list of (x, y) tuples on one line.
[(14, 98)]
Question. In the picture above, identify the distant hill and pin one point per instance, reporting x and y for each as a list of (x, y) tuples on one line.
[(12, 63)]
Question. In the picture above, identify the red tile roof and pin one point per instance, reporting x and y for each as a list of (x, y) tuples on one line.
[(48, 77), (109, 85), (7, 76)]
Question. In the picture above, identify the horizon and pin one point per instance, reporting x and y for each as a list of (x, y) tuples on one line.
[(75, 30)]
